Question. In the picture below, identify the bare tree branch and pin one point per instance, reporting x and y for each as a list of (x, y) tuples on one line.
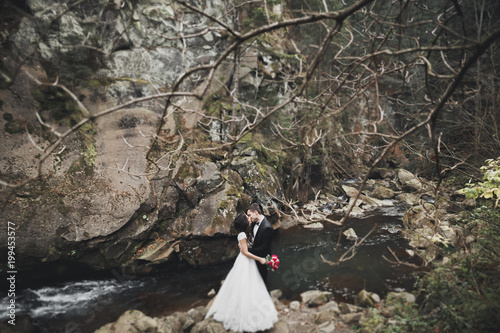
[(351, 252)]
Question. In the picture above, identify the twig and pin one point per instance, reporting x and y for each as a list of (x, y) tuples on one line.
[(399, 262), (352, 250)]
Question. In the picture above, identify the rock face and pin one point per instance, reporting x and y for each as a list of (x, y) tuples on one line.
[(103, 200), (106, 219)]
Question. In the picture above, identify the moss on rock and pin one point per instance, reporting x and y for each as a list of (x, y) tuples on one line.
[(233, 191), (14, 126), (185, 171)]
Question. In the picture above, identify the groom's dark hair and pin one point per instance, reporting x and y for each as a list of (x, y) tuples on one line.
[(255, 208)]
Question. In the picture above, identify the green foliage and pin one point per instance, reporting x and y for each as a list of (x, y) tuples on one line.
[(464, 295), (459, 296), (404, 317), (233, 191), (90, 154), (62, 207), (223, 205), (216, 105), (88, 132), (5, 78), (76, 67), (274, 2), (85, 163), (100, 82), (267, 94), (14, 126), (8, 116), (255, 19), (490, 187), (246, 139), (60, 106)]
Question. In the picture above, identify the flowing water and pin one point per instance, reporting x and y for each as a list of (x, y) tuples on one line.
[(87, 304)]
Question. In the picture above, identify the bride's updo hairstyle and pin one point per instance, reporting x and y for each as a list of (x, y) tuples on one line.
[(241, 224)]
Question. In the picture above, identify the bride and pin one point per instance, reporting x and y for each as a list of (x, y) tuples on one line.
[(243, 303)]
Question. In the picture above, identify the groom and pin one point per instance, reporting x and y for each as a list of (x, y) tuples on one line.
[(263, 235)]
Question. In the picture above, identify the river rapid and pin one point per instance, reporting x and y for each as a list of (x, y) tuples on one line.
[(85, 304)]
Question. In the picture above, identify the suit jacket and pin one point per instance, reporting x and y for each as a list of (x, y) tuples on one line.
[(262, 244)]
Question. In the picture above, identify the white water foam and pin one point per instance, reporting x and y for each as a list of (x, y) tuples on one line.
[(71, 296), (394, 210), (391, 228)]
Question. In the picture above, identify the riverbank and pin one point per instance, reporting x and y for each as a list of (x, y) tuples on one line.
[(295, 316), (316, 312)]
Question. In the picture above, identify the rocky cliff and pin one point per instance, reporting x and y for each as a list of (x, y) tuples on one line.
[(98, 199), (84, 88)]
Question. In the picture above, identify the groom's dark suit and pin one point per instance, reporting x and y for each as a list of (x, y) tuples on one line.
[(262, 244)]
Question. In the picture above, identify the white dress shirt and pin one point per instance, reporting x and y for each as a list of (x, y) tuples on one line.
[(256, 227)]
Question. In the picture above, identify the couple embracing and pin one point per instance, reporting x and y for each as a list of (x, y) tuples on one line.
[(243, 303)]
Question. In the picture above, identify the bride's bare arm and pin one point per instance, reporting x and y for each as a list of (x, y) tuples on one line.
[(244, 250)]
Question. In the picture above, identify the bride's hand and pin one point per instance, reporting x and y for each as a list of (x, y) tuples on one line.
[(262, 261)]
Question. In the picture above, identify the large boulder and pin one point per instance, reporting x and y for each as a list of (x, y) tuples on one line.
[(381, 192), (366, 299), (393, 298), (55, 41), (363, 202), (135, 321), (349, 308), (323, 317), (259, 180), (96, 191), (313, 298), (208, 326), (408, 181)]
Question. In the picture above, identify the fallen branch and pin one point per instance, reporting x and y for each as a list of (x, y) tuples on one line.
[(303, 216), (352, 250), (399, 262)]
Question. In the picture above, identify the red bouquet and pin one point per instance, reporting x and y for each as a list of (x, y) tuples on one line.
[(273, 262)]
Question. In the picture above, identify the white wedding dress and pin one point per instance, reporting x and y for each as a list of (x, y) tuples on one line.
[(243, 303)]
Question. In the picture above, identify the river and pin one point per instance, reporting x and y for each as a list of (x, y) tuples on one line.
[(83, 305)]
